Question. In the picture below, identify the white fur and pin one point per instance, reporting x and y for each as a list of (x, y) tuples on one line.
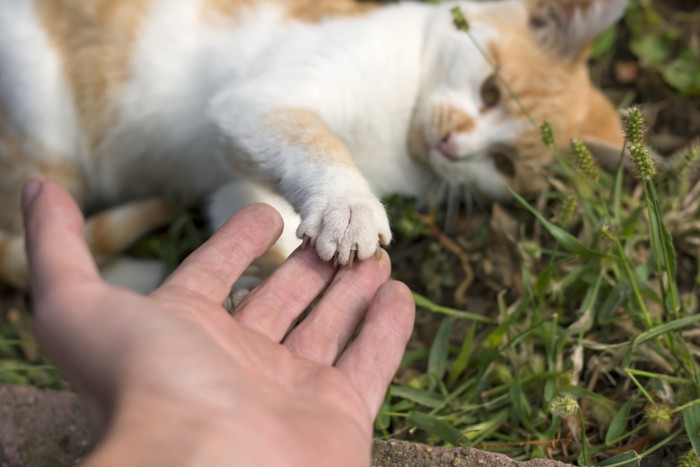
[(199, 90), (140, 275), (32, 85), (334, 76)]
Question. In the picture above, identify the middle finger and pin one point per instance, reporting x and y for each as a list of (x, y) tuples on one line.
[(272, 307), (323, 334)]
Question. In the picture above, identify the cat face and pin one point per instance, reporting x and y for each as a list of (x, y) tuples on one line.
[(469, 124)]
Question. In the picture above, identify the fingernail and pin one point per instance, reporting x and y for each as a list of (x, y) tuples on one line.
[(31, 190)]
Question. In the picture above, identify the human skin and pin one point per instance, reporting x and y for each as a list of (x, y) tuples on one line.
[(172, 379)]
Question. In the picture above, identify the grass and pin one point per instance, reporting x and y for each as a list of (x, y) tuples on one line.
[(593, 358), (563, 327)]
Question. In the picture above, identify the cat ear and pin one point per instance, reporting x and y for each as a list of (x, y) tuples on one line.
[(569, 26)]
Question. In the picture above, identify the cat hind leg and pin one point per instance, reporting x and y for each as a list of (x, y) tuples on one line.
[(231, 198), (108, 234)]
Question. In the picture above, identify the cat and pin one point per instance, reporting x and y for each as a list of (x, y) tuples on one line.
[(320, 107)]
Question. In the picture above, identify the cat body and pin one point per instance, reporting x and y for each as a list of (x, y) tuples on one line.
[(325, 105)]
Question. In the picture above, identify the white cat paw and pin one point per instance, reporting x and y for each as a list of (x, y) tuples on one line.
[(345, 228)]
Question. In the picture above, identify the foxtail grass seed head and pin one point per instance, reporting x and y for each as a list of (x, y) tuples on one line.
[(547, 134), (565, 379), (643, 162), (566, 212), (502, 374), (635, 126), (607, 232), (584, 160), (689, 459), (459, 20), (660, 418), (563, 405), (530, 249)]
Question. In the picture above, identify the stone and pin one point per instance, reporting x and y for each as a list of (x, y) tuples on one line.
[(41, 428)]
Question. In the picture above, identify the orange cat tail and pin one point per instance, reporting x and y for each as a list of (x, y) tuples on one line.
[(13, 262), (108, 234)]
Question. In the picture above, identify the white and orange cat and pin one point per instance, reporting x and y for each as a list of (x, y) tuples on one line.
[(330, 104)]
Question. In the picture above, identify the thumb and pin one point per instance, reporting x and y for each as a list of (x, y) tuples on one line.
[(56, 250)]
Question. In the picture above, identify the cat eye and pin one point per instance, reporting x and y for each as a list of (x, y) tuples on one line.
[(502, 161), (490, 92)]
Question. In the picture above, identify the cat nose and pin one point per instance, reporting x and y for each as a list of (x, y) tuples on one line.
[(448, 147)]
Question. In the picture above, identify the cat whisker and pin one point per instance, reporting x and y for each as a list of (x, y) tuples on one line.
[(440, 193), (452, 212), (468, 199)]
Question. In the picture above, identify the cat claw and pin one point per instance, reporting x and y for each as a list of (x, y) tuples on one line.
[(306, 242), (379, 254), (353, 253), (353, 256)]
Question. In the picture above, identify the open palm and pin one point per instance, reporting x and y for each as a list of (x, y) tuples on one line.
[(175, 365)]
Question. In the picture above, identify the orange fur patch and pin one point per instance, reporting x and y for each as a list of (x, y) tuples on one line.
[(19, 160), (112, 231), (95, 39), (13, 263), (303, 128), (552, 90), (417, 145), (303, 10), (316, 10), (449, 119)]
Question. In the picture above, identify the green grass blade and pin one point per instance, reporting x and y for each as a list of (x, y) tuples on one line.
[(617, 194), (439, 351), (423, 302), (422, 398), (564, 238), (691, 420), (662, 244), (626, 459), (462, 360), (619, 422), (434, 426), (661, 329), (476, 433)]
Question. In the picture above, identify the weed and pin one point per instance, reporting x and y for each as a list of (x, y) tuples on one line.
[(601, 324)]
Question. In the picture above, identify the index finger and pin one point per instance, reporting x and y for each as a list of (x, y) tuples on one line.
[(213, 268)]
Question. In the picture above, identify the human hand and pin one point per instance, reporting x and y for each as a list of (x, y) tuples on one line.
[(172, 379)]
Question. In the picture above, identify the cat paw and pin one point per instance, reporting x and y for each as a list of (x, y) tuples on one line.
[(343, 230)]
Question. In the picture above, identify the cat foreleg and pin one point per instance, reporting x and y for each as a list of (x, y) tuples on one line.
[(292, 149)]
